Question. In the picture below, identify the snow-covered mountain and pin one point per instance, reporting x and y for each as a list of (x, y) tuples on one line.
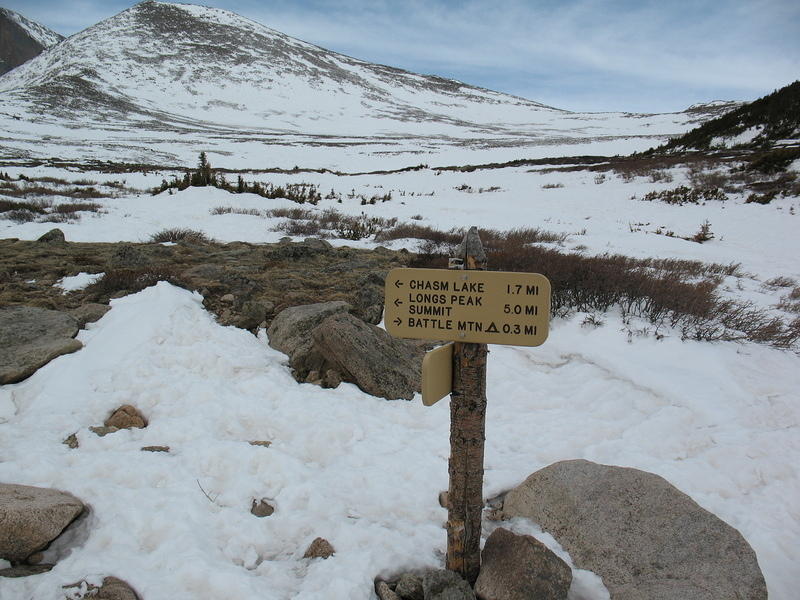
[(22, 39), (188, 76)]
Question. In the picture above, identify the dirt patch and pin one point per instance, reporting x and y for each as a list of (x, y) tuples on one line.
[(243, 284)]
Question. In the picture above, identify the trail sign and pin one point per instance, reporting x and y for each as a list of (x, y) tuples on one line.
[(437, 374), (485, 307)]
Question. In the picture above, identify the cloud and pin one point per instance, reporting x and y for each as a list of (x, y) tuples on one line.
[(726, 48)]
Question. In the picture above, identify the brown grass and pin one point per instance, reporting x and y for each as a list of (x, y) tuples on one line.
[(116, 281), (679, 294)]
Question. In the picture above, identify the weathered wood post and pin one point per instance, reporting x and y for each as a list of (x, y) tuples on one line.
[(470, 307), (467, 436)]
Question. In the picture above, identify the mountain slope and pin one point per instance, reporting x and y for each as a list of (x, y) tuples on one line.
[(22, 39), (160, 80), (757, 124)]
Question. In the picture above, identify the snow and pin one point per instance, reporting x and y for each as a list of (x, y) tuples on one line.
[(271, 100), (362, 472), (745, 137), (77, 282), (720, 421)]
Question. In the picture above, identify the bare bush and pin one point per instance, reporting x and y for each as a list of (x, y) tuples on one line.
[(73, 207), (132, 280), (179, 234), (228, 210), (678, 294)]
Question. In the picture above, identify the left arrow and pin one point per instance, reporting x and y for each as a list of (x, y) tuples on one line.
[(397, 302), (398, 283)]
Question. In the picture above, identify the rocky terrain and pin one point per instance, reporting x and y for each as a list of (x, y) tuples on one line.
[(22, 39)]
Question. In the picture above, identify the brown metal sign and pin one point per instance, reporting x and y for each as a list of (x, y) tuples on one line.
[(484, 307)]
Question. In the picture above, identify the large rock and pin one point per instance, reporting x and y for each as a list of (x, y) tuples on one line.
[(644, 537), (519, 567), (31, 337), (327, 345), (369, 357), (112, 588), (54, 236), (368, 304), (32, 517), (290, 331), (446, 585)]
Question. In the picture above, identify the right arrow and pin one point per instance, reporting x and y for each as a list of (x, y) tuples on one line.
[(397, 321)]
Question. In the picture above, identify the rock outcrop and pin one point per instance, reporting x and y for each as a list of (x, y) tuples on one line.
[(31, 518), (327, 345), (519, 567), (369, 357), (31, 337), (644, 537)]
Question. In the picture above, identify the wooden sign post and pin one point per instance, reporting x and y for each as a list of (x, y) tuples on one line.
[(467, 436), (470, 307)]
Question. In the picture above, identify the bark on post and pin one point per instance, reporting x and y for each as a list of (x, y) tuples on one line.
[(467, 435)]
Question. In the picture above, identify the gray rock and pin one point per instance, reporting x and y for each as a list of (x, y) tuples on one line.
[(89, 313), (31, 337), (103, 431), (384, 592), (409, 587), (290, 332), (25, 570), (368, 304), (644, 537), (318, 244), (32, 517), (128, 256), (446, 585), (54, 236), (369, 357), (253, 313), (518, 567)]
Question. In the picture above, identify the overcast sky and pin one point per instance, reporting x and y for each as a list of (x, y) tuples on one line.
[(592, 55)]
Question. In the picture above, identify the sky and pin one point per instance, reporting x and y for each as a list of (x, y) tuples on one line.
[(581, 55)]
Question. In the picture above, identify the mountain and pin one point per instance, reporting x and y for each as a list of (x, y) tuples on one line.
[(160, 81), (758, 124), (22, 39)]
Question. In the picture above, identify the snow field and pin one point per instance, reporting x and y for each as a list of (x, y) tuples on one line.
[(720, 421)]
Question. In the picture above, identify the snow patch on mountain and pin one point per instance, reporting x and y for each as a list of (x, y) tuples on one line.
[(183, 78)]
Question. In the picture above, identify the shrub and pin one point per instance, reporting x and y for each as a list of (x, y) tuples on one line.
[(20, 216), (227, 210), (685, 195), (703, 234), (178, 234), (132, 280), (764, 198), (73, 207), (665, 292), (11, 205)]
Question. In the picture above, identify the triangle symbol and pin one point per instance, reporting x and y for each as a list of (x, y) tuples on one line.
[(492, 328)]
